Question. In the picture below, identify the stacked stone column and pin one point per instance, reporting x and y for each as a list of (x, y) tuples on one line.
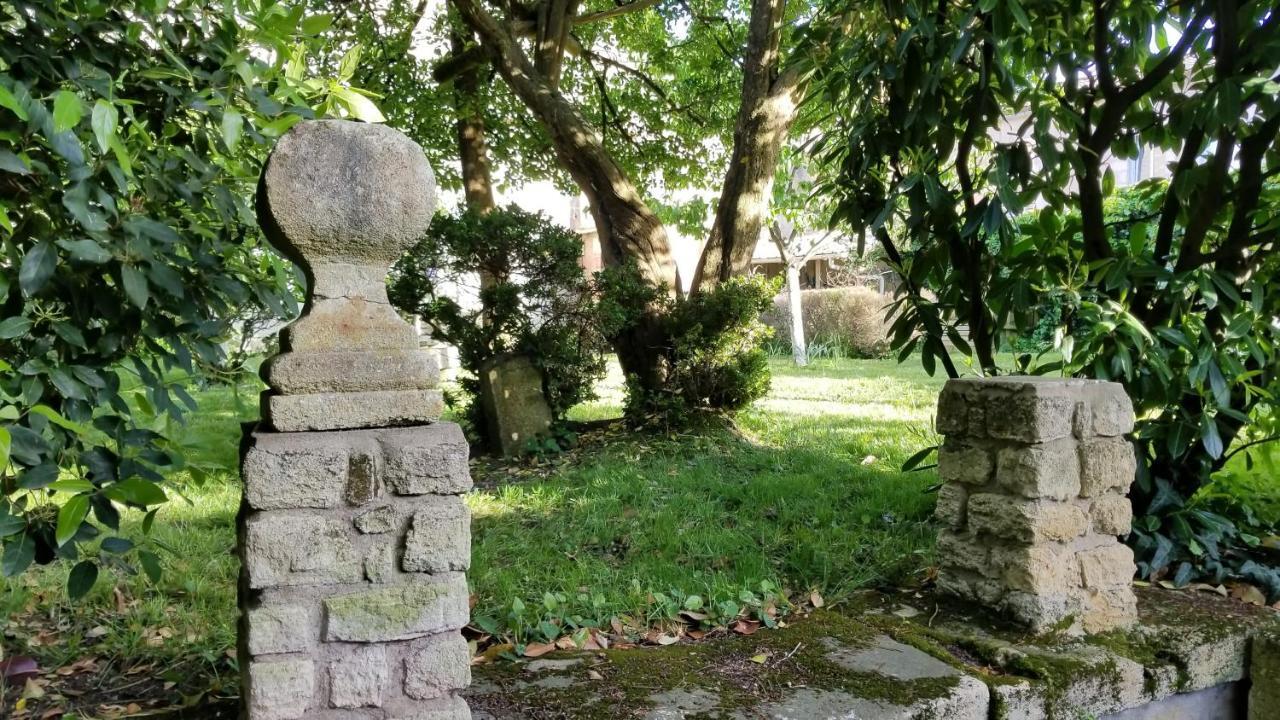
[(1035, 473), (353, 536)]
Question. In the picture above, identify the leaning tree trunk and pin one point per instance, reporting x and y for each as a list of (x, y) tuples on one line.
[(770, 100), (630, 232), (795, 304)]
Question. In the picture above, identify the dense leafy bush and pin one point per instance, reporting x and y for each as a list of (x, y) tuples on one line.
[(1173, 295), (131, 134), (532, 299), (712, 353), (850, 320)]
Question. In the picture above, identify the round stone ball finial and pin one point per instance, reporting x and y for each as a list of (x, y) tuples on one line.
[(345, 192)]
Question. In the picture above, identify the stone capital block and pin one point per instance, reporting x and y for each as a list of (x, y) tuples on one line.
[(1035, 536), (426, 460), (398, 612), (342, 410)]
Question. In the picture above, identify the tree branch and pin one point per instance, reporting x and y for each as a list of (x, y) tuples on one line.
[(613, 12)]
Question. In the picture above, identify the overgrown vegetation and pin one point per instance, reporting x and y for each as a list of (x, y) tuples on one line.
[(713, 359), (131, 135), (841, 322), (952, 119), (534, 300)]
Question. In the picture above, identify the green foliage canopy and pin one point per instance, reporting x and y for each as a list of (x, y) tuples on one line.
[(128, 160), (537, 302), (953, 118)]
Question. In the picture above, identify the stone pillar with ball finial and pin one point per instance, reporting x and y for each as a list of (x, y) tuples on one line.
[(353, 536)]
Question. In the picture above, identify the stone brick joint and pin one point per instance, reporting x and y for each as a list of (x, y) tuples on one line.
[(1035, 473)]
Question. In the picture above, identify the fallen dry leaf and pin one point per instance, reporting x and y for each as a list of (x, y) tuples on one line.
[(538, 649)]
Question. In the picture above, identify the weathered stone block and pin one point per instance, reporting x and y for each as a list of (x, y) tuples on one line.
[(280, 689), (282, 549), (963, 552), (291, 471), (1025, 521), (951, 511), (1264, 669), (278, 628), (437, 666), (342, 411), (345, 371), (960, 462), (1047, 569), (1110, 409), (1110, 609), (426, 460), (515, 406), (446, 708), (1106, 464), (440, 539), (1029, 409), (1049, 470), (1107, 566), (382, 519), (954, 407), (398, 612), (380, 564), (1040, 611), (358, 677), (1112, 514)]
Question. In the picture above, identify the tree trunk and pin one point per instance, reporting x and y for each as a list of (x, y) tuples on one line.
[(795, 302), (769, 103), (629, 231)]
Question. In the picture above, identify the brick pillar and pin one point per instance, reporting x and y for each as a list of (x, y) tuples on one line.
[(353, 536), (1035, 472)]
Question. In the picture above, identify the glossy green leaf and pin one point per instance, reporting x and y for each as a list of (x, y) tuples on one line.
[(7, 100), (37, 268), (19, 552), (135, 286), (85, 250), (67, 111), (70, 516), (14, 327), (232, 126), (81, 579), (104, 120)]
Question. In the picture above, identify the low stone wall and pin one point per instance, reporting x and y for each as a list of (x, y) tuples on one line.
[(1035, 472), (354, 545)]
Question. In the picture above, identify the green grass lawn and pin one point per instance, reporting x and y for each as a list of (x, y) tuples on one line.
[(806, 496)]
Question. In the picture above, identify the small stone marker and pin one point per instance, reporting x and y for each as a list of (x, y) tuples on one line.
[(353, 536), (1035, 472), (515, 407)]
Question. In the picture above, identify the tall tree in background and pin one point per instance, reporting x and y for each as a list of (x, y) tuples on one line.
[(953, 118), (551, 53)]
